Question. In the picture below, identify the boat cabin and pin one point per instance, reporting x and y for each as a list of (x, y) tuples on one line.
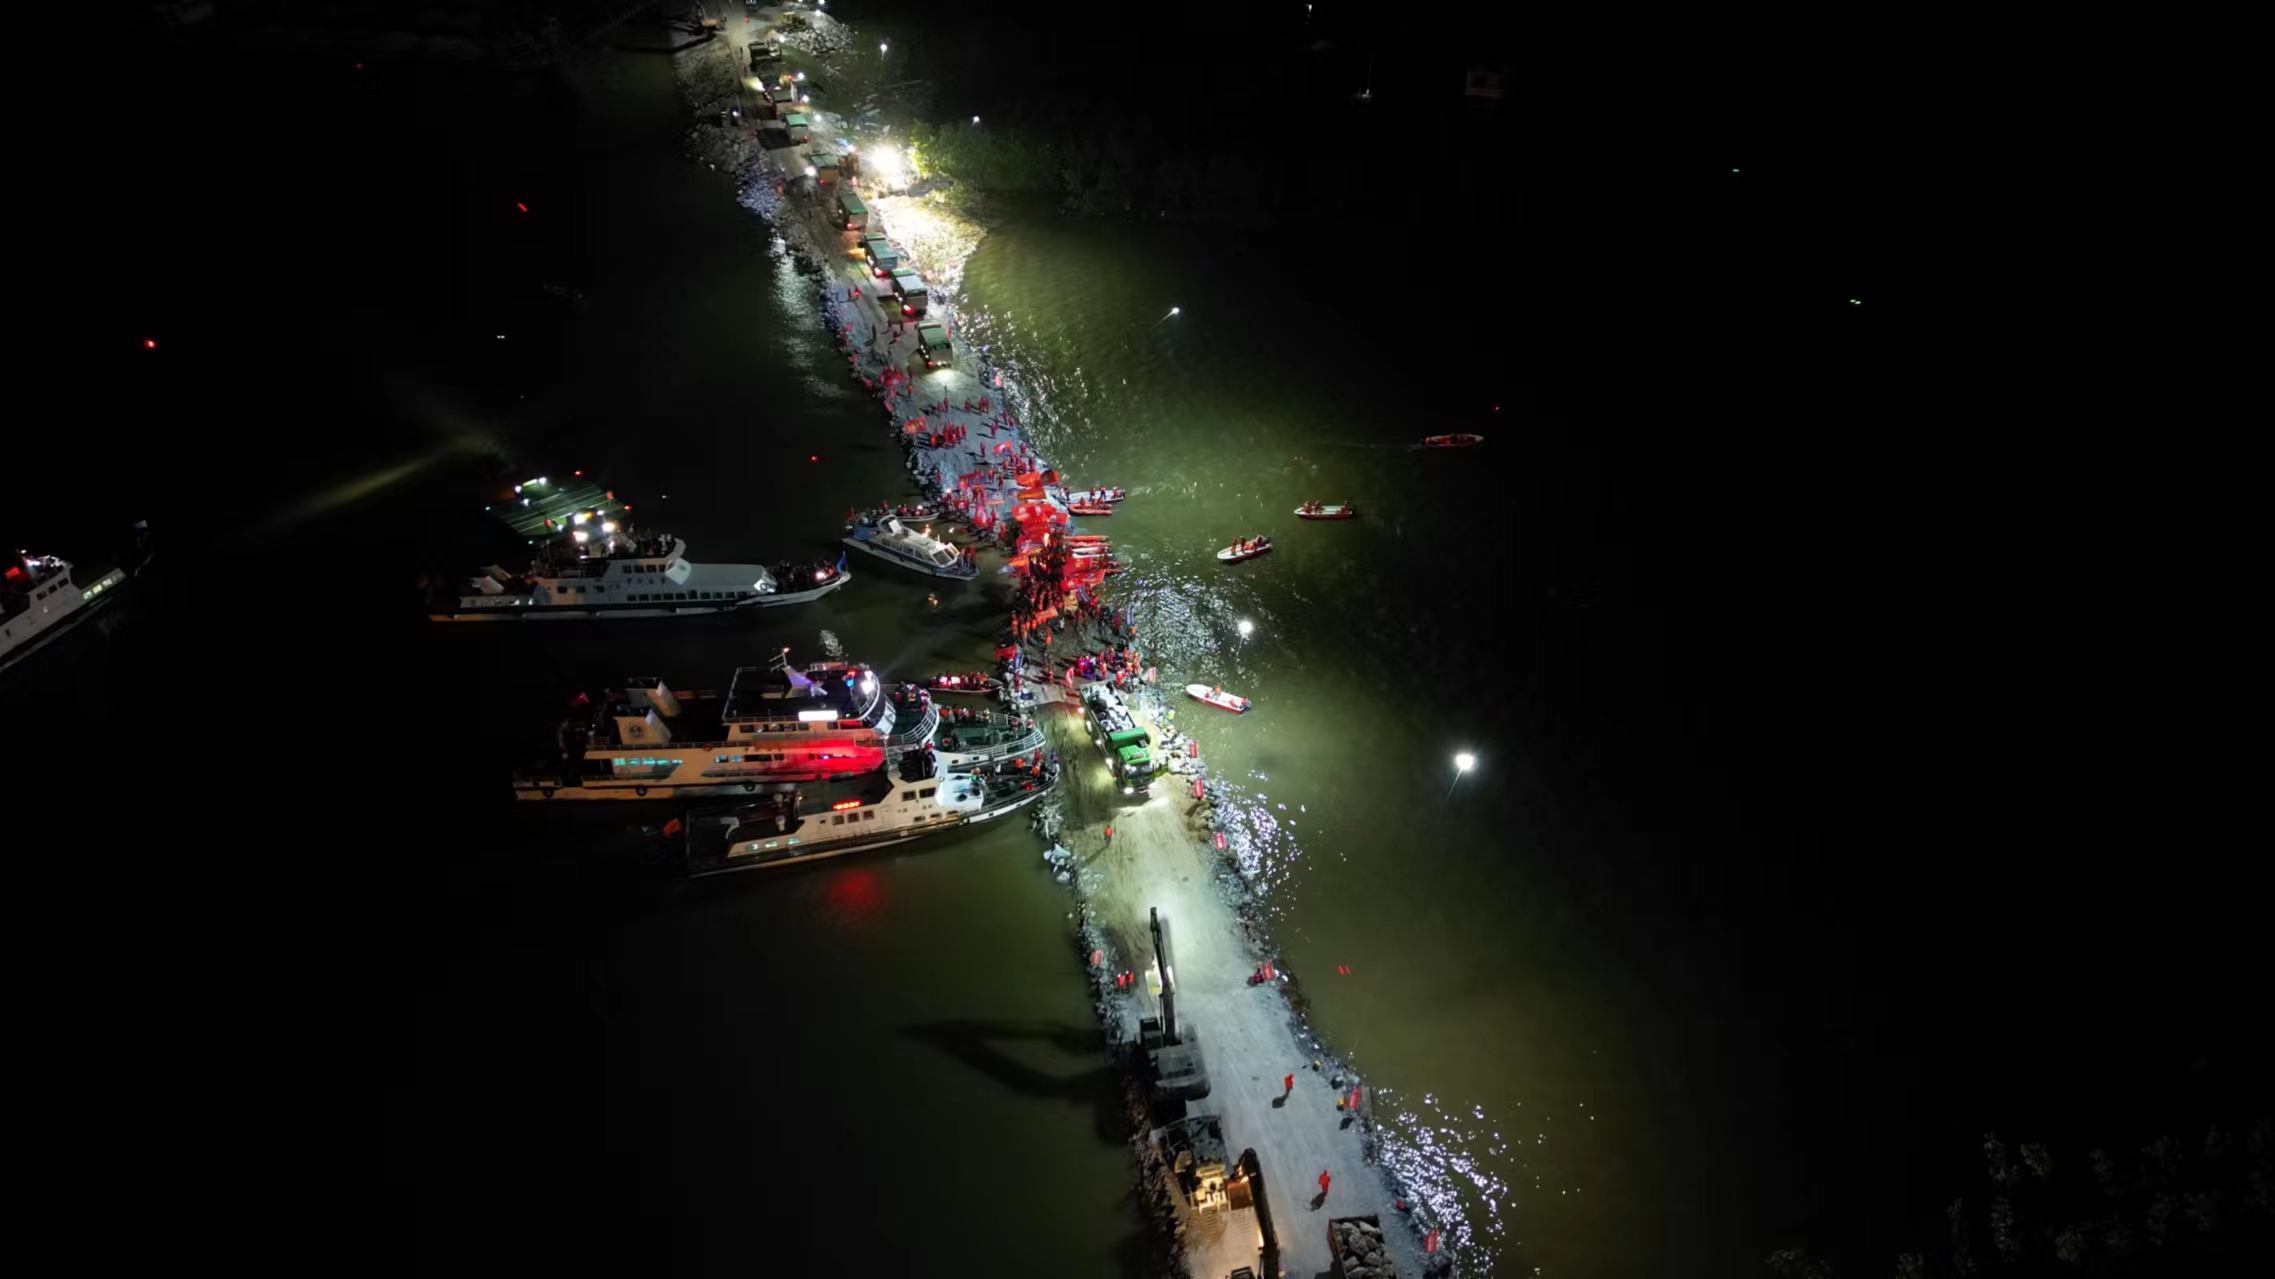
[(852, 215), (908, 288), (932, 344), (883, 260), (795, 123)]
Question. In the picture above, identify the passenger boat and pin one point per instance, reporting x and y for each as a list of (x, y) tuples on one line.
[(595, 569), (1340, 511), (892, 540), (1095, 497), (1459, 441), (1245, 550), (43, 598), (974, 683), (808, 821), (1218, 698), (781, 723)]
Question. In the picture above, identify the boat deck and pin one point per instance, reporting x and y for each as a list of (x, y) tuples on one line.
[(555, 499)]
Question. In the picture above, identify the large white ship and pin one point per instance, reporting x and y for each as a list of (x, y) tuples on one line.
[(807, 821), (42, 598), (597, 569), (773, 724)]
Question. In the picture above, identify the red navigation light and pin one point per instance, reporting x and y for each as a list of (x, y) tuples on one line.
[(580, 474), (149, 344), (813, 457), (908, 310), (843, 804), (519, 205)]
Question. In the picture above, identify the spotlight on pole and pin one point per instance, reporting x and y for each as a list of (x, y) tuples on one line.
[(1247, 628)]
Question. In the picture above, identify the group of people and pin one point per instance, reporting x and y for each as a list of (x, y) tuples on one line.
[(1256, 543), (1314, 508)]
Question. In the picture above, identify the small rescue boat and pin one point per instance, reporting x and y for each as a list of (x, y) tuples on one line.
[(1090, 508), (1245, 550), (1459, 441), (1218, 698), (1339, 511), (1095, 497), (975, 683)]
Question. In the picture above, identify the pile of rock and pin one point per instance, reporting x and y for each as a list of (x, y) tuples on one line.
[(1357, 1242)]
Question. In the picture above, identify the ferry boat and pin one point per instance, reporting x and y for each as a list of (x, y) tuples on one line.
[(808, 821), (1246, 549), (607, 571), (1315, 511), (779, 723), (42, 598), (892, 540)]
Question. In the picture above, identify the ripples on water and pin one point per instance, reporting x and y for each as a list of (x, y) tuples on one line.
[(1114, 399)]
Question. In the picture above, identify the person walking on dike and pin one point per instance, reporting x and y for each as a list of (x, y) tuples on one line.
[(1287, 1085), (1323, 1180)]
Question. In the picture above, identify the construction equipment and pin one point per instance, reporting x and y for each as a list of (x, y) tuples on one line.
[(1173, 1051)]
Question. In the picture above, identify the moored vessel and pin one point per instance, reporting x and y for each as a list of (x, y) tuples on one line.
[(796, 822), (44, 597), (1335, 511), (891, 540), (781, 722), (1460, 440), (608, 571)]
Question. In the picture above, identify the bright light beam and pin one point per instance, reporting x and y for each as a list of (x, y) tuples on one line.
[(1462, 763)]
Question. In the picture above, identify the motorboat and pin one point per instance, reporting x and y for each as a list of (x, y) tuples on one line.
[(1247, 549), (1090, 508), (1218, 698), (1457, 441), (1339, 511), (1095, 497)]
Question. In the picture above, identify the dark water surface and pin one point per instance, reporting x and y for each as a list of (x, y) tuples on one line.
[(1717, 948)]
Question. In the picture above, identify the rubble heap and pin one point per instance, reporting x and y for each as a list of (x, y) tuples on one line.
[(1357, 1245)]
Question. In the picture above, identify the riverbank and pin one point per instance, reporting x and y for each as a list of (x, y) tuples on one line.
[(965, 443)]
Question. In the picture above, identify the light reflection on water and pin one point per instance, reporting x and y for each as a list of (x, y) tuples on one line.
[(1334, 664)]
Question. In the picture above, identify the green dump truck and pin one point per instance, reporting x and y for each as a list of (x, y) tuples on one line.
[(1128, 748)]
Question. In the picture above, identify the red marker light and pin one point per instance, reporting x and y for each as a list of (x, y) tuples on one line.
[(519, 205), (149, 344), (816, 457)]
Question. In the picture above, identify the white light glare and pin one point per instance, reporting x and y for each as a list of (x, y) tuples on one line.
[(1464, 761)]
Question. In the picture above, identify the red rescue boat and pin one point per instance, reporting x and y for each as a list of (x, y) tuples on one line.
[(1085, 508)]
